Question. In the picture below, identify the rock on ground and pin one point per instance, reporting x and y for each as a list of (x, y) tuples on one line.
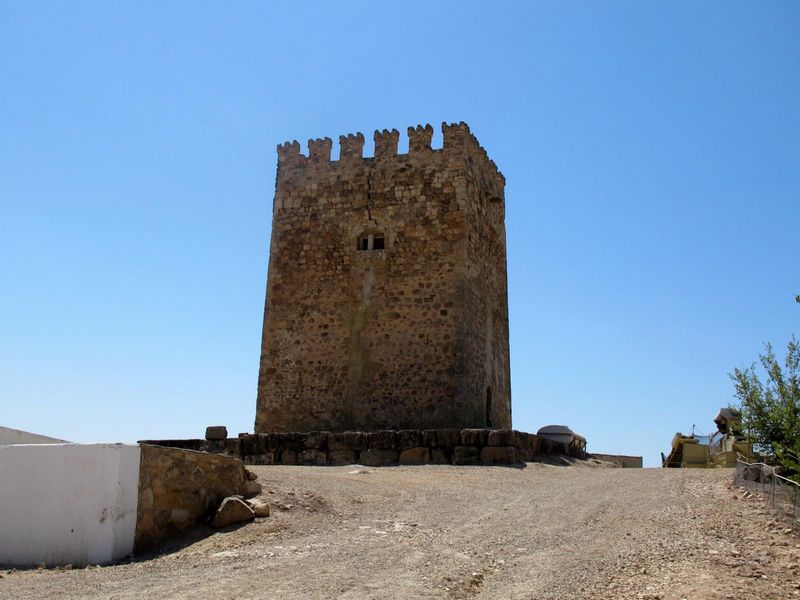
[(232, 510)]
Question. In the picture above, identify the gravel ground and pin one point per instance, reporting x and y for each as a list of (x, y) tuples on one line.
[(540, 532)]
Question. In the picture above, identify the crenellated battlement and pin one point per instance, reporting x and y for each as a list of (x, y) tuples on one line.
[(386, 143), (419, 139), (319, 150), (351, 146), (289, 153), (457, 137)]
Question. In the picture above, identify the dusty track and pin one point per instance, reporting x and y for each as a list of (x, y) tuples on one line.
[(455, 532)]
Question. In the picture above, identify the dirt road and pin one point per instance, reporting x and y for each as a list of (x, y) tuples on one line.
[(543, 532)]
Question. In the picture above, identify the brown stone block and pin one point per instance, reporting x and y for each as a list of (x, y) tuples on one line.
[(259, 443), (382, 440), (315, 440), (474, 437), (448, 438), (233, 446), (287, 457), (248, 444), (498, 455), (439, 457), (312, 457), (502, 437), (465, 455), (409, 438), (429, 438), (213, 446), (414, 456), (216, 432), (378, 457), (342, 457), (336, 441), (349, 440), (286, 441), (523, 446), (533, 445), (265, 458)]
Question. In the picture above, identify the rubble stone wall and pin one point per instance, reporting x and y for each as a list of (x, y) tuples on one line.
[(624, 461), (385, 448), (179, 487), (407, 332)]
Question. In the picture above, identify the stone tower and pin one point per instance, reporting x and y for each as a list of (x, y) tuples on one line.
[(387, 305)]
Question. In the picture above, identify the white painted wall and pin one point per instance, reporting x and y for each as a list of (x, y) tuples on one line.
[(17, 436), (67, 503)]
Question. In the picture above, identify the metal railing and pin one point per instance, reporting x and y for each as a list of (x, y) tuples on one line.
[(781, 495)]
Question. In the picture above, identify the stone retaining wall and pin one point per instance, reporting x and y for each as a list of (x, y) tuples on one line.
[(624, 461), (383, 448), (178, 488)]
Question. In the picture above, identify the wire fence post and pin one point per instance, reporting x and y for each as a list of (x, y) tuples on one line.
[(781, 495), (772, 491)]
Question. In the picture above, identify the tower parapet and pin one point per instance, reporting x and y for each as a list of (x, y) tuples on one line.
[(319, 150), (419, 139), (289, 153), (457, 139), (458, 136), (386, 143), (351, 146)]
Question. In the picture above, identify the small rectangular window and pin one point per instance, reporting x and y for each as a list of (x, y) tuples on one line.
[(371, 242)]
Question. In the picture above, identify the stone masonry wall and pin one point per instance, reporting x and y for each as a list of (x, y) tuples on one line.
[(624, 461), (487, 372), (386, 448), (413, 334), (179, 487)]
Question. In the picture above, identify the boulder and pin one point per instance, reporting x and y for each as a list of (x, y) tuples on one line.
[(409, 438), (415, 456), (474, 437), (342, 457), (382, 440), (465, 455), (498, 455), (502, 437), (315, 440), (439, 457), (232, 510), (312, 457), (378, 458), (251, 488), (447, 438), (260, 508)]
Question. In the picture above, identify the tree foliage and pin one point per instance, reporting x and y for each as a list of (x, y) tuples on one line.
[(771, 408)]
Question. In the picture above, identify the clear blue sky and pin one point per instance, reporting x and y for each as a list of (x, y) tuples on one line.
[(652, 153)]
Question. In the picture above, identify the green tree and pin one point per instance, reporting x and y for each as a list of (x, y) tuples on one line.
[(771, 409)]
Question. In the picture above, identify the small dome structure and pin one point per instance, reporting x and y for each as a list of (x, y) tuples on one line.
[(560, 433)]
